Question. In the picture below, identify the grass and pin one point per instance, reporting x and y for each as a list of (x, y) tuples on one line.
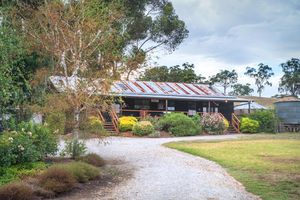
[(20, 171), (268, 165)]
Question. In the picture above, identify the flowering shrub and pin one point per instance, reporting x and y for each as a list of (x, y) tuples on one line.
[(29, 143), (94, 125), (127, 123), (179, 124), (214, 123), (249, 125), (143, 128)]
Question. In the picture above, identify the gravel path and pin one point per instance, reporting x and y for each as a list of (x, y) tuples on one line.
[(160, 173)]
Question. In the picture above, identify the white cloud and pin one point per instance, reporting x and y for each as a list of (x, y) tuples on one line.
[(234, 34)]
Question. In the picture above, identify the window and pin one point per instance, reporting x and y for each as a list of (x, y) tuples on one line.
[(141, 104)]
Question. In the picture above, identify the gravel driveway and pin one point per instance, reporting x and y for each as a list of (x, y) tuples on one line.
[(160, 173)]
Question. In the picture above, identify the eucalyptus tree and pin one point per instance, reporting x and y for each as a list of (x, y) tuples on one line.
[(290, 81), (261, 76), (225, 79), (241, 89)]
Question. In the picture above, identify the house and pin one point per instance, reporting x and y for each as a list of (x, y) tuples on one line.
[(142, 98)]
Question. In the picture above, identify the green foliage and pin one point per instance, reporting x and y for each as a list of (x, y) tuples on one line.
[(16, 191), (179, 124), (143, 128), (57, 179), (155, 134), (267, 120), (82, 172), (196, 118), (14, 86), (225, 78), (92, 159), (29, 143), (56, 122), (241, 90), (94, 125), (290, 81), (154, 121), (184, 73), (16, 172), (249, 125), (74, 148), (261, 76), (213, 123), (127, 123)]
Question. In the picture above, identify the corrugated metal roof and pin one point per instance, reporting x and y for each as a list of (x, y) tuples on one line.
[(253, 106), (157, 89)]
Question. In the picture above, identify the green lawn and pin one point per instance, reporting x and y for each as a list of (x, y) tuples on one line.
[(267, 165)]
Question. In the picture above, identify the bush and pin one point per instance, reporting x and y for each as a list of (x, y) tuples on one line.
[(94, 125), (74, 148), (155, 134), (29, 143), (57, 180), (19, 171), (196, 118), (16, 191), (267, 120), (82, 172), (127, 123), (249, 125), (154, 121), (179, 124), (214, 124), (92, 159), (56, 122), (143, 128)]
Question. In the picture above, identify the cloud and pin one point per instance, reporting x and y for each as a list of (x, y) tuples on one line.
[(234, 34)]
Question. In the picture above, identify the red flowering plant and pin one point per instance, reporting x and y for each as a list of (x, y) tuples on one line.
[(213, 123)]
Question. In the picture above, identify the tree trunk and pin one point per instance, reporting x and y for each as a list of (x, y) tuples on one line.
[(76, 120)]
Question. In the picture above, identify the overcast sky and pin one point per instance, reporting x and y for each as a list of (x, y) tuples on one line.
[(234, 34)]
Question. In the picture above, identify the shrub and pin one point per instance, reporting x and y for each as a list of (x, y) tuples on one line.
[(81, 171), (196, 118), (154, 121), (213, 123), (249, 125), (74, 148), (155, 134), (16, 172), (57, 180), (94, 125), (56, 122), (127, 123), (266, 118), (30, 143), (179, 124), (143, 128), (16, 191), (92, 159)]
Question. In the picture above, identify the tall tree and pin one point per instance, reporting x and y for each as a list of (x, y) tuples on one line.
[(261, 76), (290, 81), (14, 84), (185, 73), (241, 90), (225, 78), (148, 25), (82, 39)]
